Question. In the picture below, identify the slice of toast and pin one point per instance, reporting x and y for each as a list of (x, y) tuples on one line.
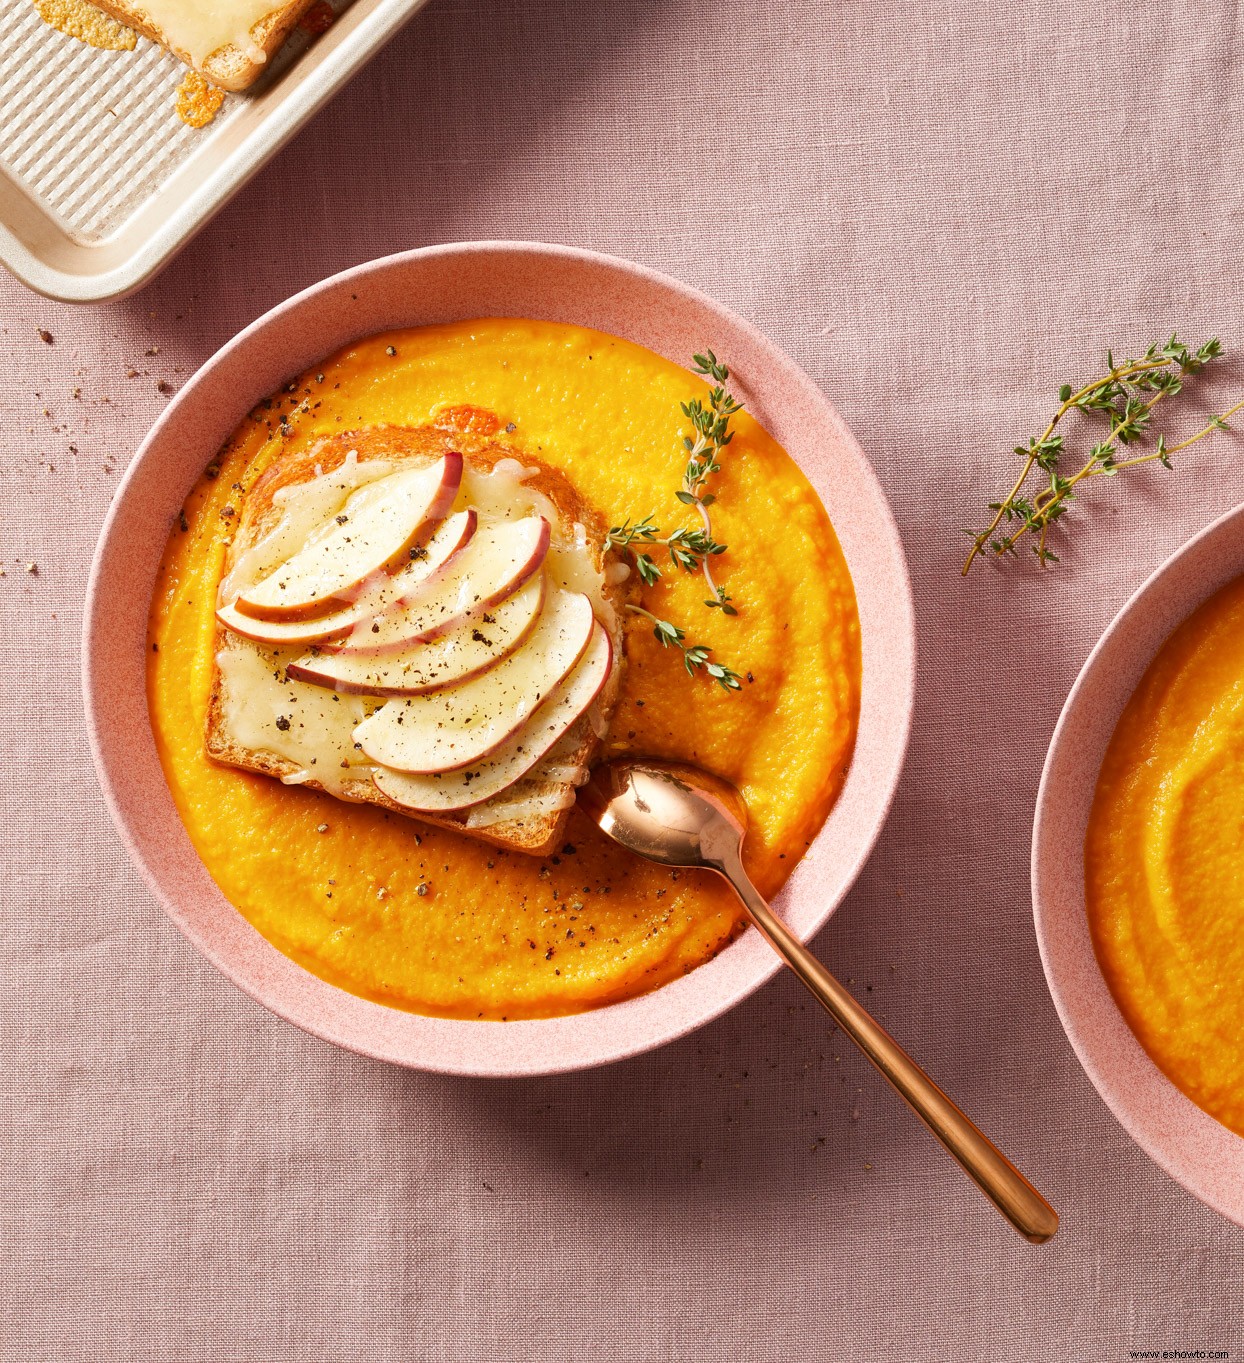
[(547, 793), (231, 67)]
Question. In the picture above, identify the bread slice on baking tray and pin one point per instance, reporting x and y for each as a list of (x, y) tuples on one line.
[(230, 42), (422, 619)]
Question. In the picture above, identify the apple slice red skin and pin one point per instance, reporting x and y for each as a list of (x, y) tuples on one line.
[(438, 509), (304, 673), (533, 565), (247, 627), (442, 505), (322, 628), (540, 755), (501, 739)]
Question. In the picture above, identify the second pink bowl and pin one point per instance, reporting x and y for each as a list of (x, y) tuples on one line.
[(1189, 1144)]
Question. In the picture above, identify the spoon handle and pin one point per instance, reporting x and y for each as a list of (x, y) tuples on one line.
[(992, 1172)]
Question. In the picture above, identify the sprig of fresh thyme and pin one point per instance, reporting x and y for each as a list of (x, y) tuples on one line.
[(711, 426), (690, 548), (1124, 397), (694, 656)]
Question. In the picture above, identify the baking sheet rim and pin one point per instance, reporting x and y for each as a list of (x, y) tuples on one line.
[(218, 182)]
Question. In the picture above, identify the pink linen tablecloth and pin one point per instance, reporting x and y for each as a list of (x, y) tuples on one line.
[(942, 211)]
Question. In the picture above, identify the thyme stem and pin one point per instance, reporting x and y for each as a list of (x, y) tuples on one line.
[(690, 549), (717, 592)]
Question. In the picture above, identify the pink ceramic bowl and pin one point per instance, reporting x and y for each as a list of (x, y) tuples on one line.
[(1189, 1144), (437, 285)]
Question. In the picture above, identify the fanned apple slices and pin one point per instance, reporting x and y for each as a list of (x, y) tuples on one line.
[(478, 643), (380, 592), (473, 663), (445, 729), (373, 532), (480, 781)]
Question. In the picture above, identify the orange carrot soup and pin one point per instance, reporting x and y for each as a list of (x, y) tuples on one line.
[(432, 921), (1164, 859)]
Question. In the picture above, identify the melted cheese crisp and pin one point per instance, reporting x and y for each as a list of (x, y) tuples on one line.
[(201, 29), (83, 21)]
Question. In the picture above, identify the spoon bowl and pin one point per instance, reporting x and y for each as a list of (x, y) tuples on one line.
[(670, 813)]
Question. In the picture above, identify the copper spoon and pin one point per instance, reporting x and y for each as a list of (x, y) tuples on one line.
[(681, 816)]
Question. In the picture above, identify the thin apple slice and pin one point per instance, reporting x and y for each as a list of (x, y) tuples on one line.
[(373, 531), (452, 535), (442, 730), (498, 561), (480, 781), (480, 642)]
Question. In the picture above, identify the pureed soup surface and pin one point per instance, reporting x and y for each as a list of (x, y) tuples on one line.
[(1164, 859), (494, 934)]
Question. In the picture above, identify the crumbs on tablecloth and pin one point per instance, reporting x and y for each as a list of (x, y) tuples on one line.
[(89, 25), (198, 100)]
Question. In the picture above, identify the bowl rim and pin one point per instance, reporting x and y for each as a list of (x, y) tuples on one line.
[(179, 881), (1195, 1149)]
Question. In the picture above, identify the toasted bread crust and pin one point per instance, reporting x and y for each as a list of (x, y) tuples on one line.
[(536, 835), (229, 66)]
